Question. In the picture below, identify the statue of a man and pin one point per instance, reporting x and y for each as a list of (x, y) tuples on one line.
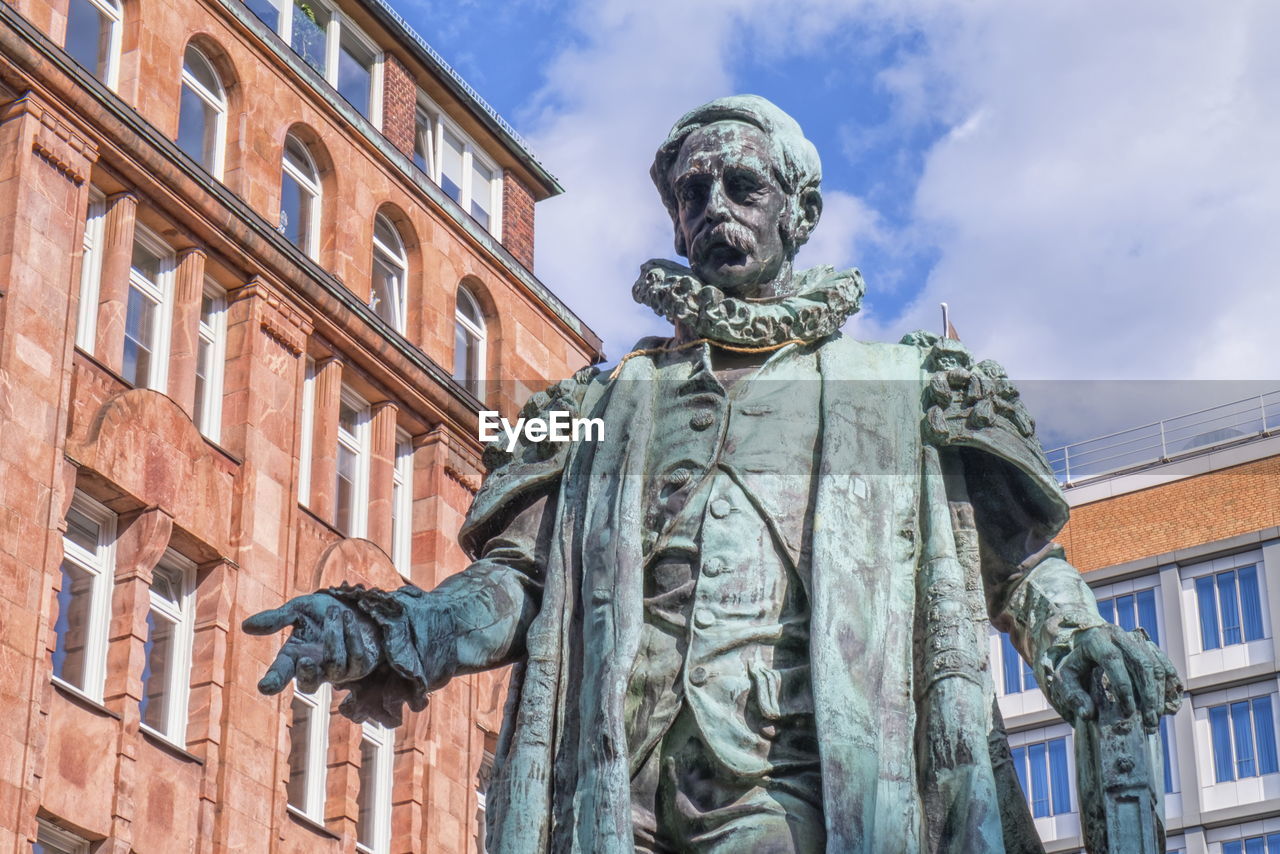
[(753, 617)]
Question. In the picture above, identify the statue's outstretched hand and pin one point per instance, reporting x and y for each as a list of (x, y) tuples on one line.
[(330, 642), (1139, 674)]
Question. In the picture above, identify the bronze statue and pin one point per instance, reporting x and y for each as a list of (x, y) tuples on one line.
[(753, 617)]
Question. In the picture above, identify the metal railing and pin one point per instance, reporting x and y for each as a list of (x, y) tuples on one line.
[(1162, 441)]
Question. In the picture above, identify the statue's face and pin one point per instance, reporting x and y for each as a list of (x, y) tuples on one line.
[(729, 206)]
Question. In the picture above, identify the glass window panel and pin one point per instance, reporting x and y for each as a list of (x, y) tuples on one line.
[(1125, 616), (1250, 603), (1019, 755), (481, 192), (157, 672), (1147, 614), (1265, 730), (386, 233), (167, 584), (345, 497), (1038, 760), (145, 262), (208, 308), (1164, 752), (89, 37), (1107, 608), (1255, 845), (295, 212), (204, 355), (355, 74), (348, 417), (139, 338), (1242, 731), (366, 800), (266, 12), (1236, 847), (1220, 732), (423, 142), (83, 531), (310, 20), (1207, 605), (1228, 603), (1058, 776), (451, 166), (1273, 843), (1012, 666), (384, 297), (197, 66), (299, 750), (295, 153), (197, 121), (75, 601)]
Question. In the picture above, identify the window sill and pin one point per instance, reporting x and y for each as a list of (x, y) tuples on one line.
[(161, 741), (308, 822), (81, 699)]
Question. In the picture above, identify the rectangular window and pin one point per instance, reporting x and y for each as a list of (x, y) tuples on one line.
[(308, 35), (1244, 739), (357, 60), (91, 271), (146, 326), (1044, 774), (424, 143), (307, 424), (351, 511), (308, 751), (51, 839), (482, 186), (373, 825), (1230, 606), (402, 505), (457, 164), (1018, 675), (1269, 844), (451, 171), (267, 11), (210, 356), (84, 597), (93, 37), (166, 673)]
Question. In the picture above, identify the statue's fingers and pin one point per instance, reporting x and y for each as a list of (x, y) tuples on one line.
[(1172, 690), (271, 620), (1071, 683), (1112, 664), (333, 640), (308, 675), (279, 673), (1149, 679)]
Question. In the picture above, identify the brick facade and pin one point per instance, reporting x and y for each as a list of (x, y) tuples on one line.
[(73, 426), (399, 102), (517, 219)]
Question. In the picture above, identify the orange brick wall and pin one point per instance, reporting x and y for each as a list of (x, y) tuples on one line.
[(1176, 515), (399, 103), (517, 219)]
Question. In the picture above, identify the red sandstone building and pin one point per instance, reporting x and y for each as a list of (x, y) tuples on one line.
[(261, 263)]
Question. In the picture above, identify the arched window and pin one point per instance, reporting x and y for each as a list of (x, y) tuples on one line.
[(468, 343), (202, 112), (390, 271), (93, 37), (300, 197)]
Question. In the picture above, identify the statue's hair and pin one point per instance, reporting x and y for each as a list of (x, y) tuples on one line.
[(796, 163)]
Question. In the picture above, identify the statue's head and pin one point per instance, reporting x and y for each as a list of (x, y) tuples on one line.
[(741, 184)]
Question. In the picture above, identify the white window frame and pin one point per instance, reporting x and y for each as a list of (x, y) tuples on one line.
[(1216, 837), (62, 841), (161, 295), (309, 183), (1203, 662), (317, 748), (479, 333), (214, 335), (181, 616), (402, 505), (91, 270), (425, 114), (1059, 825), (358, 444), (101, 565), (383, 740), (397, 258), (1242, 790), (114, 11), (470, 152), (307, 424), (216, 100)]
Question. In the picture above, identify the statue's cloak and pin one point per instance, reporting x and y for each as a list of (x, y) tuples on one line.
[(913, 753)]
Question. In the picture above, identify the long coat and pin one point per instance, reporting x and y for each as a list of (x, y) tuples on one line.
[(934, 514)]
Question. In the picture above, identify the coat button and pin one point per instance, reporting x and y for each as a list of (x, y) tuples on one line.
[(703, 618), (713, 567), (698, 676), (721, 508), (702, 420)]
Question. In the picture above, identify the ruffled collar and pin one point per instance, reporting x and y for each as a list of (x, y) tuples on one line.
[(823, 300)]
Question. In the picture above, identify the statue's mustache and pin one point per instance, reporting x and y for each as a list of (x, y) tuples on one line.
[(732, 234)]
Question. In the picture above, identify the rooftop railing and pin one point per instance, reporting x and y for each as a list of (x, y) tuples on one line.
[(1162, 441)]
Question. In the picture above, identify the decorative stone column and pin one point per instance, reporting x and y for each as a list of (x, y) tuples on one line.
[(113, 291), (324, 438), (184, 343), (382, 465)]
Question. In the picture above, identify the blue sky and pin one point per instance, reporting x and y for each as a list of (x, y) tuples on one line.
[(1092, 186)]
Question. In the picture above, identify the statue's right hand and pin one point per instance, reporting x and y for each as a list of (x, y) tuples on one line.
[(330, 642)]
